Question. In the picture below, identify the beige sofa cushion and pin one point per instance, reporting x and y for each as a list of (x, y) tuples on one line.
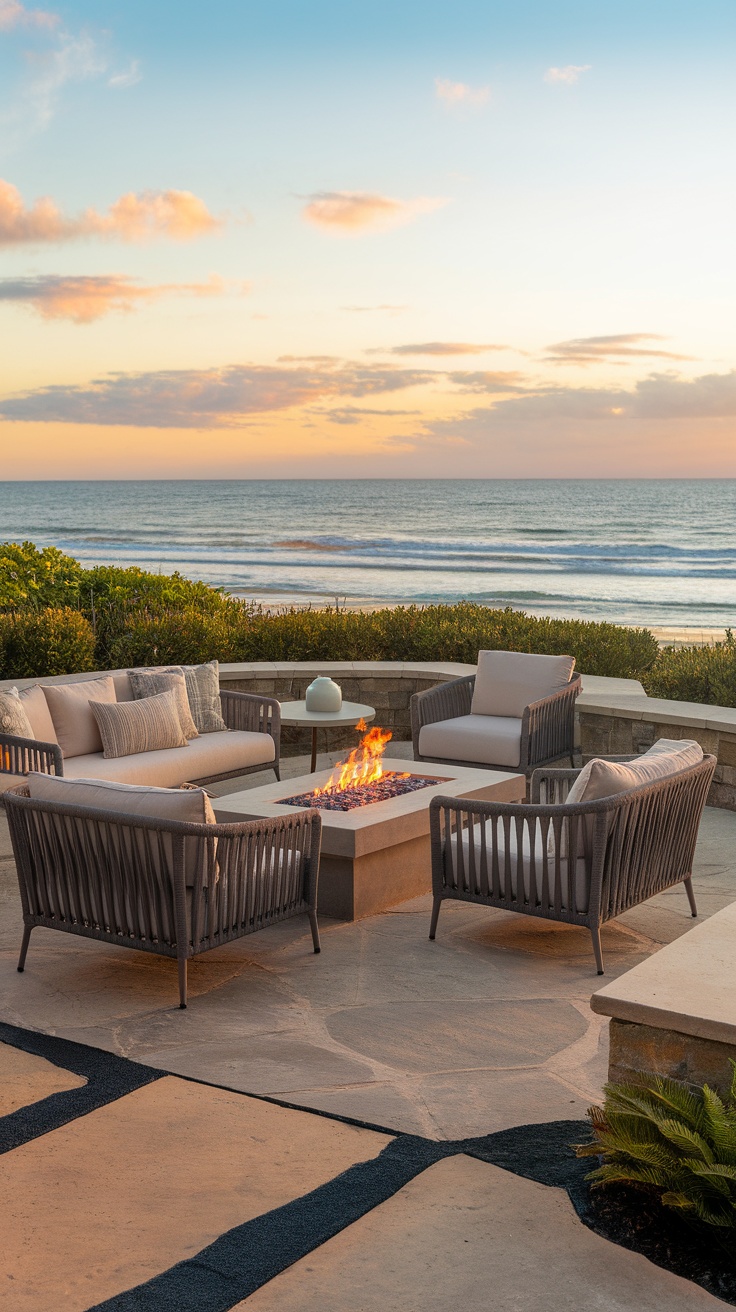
[(37, 709), (210, 754), (150, 725), (509, 681), (69, 703), (13, 718), (203, 691), (190, 805), (487, 739), (147, 683), (601, 778), (123, 690), (510, 880)]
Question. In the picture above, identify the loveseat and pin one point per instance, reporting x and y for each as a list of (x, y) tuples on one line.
[(249, 740)]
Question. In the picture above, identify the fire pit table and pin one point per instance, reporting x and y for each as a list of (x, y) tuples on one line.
[(377, 853)]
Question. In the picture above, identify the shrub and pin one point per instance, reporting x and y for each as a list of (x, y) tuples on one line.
[(57, 640), (676, 1142), (173, 637), (31, 579), (696, 674)]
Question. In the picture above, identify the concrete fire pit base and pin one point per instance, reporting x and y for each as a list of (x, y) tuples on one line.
[(376, 855)]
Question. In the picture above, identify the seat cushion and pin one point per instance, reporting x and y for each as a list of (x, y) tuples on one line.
[(37, 709), (210, 754), (486, 739), (76, 728), (509, 681), (600, 778), (581, 882)]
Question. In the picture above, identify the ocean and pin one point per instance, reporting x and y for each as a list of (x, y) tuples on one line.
[(653, 552)]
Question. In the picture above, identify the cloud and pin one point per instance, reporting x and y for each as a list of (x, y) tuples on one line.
[(459, 93), (368, 309), (202, 398), (488, 380), (351, 212), (75, 59), (353, 414), (13, 14), (178, 215), (445, 348), (585, 350), (85, 299), (568, 75), (129, 78)]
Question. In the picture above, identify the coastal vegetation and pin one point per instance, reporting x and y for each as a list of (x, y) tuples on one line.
[(57, 617)]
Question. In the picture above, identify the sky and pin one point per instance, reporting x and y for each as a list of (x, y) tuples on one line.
[(311, 238)]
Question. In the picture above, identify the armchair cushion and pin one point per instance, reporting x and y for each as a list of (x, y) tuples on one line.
[(509, 681), (582, 883), (601, 778), (486, 739), (69, 703)]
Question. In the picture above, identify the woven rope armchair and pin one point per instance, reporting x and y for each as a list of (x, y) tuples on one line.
[(583, 864), (547, 726), (168, 887)]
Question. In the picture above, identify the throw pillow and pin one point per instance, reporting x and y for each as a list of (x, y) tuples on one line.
[(150, 725), (37, 709), (509, 681), (13, 718), (203, 691), (147, 683), (69, 703)]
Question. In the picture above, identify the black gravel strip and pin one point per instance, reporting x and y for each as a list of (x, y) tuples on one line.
[(108, 1078), (250, 1255)]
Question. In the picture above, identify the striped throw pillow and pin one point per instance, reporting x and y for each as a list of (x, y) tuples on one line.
[(148, 683), (150, 725)]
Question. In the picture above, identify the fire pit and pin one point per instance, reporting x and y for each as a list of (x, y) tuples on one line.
[(361, 780)]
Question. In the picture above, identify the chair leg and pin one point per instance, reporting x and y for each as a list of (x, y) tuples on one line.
[(24, 947), (182, 963), (595, 934), (435, 916), (690, 894), (315, 930), (277, 772)]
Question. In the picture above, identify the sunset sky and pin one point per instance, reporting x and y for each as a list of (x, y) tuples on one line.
[(334, 239)]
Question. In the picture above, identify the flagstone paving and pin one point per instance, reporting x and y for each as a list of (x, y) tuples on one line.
[(486, 1028)]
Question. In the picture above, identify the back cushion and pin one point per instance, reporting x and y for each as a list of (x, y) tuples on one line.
[(509, 681), (37, 709), (607, 778), (123, 690), (191, 805), (76, 728)]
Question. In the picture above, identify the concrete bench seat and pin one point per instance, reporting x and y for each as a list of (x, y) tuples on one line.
[(674, 1013)]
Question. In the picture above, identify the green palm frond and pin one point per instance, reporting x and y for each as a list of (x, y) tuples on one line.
[(678, 1140)]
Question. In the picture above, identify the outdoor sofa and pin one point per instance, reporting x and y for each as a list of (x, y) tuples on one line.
[(588, 845), (65, 740), (516, 713)]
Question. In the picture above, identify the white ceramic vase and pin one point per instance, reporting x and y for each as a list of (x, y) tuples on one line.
[(324, 695)]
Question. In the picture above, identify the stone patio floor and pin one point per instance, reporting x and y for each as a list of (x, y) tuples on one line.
[(487, 1028)]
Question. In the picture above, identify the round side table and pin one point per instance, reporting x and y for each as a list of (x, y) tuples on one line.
[(296, 714)]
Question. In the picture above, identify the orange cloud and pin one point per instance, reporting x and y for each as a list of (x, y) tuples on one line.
[(614, 349), (459, 93), (350, 212), (179, 215), (84, 299), (446, 348), (14, 14)]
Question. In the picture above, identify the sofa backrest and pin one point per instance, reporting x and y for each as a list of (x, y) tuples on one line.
[(509, 681)]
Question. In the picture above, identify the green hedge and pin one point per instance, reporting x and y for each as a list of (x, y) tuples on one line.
[(57, 640), (695, 674)]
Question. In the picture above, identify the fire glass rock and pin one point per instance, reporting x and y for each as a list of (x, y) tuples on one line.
[(347, 799)]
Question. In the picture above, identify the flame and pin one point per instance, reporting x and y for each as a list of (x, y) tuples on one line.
[(363, 765)]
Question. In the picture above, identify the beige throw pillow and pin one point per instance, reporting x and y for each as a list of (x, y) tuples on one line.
[(203, 691), (509, 681), (13, 718), (150, 725), (69, 703), (607, 778), (191, 805), (147, 683)]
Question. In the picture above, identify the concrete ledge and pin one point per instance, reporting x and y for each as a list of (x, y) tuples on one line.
[(675, 1012)]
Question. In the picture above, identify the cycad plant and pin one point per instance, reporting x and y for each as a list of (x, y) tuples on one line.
[(678, 1141)]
